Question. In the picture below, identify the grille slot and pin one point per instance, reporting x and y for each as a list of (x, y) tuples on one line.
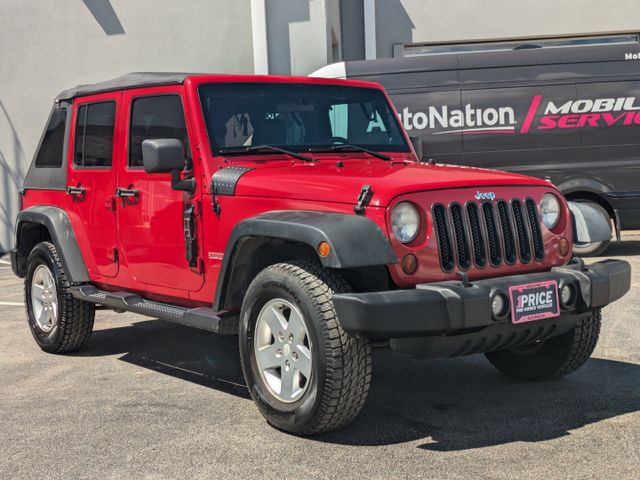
[(462, 244), (444, 241), (507, 233), (534, 226), (523, 239), (477, 239), (479, 233), (492, 232)]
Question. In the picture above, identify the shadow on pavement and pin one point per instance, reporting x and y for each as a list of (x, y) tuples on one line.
[(193, 355), (464, 403), (624, 248), (448, 405)]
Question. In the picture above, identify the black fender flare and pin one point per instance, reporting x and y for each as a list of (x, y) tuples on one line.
[(582, 183), (55, 220), (355, 241)]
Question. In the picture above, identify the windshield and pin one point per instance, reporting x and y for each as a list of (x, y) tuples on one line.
[(298, 117)]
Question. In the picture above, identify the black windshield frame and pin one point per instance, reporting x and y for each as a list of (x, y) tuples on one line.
[(310, 107)]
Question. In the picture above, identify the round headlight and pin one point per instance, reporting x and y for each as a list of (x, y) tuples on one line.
[(550, 210), (405, 222)]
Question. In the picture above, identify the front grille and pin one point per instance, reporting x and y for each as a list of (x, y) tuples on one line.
[(481, 233)]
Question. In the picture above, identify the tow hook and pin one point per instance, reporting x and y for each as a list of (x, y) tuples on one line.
[(464, 279)]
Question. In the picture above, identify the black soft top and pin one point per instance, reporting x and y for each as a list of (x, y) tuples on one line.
[(129, 80)]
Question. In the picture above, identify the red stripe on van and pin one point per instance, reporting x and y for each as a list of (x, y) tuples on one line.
[(533, 108)]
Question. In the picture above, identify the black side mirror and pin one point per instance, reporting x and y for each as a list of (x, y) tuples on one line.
[(166, 155), (417, 146), (162, 155)]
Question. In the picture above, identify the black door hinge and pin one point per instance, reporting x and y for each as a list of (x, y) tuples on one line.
[(215, 205), (189, 223), (363, 199)]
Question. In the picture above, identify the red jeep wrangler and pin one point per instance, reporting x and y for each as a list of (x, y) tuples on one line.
[(293, 211)]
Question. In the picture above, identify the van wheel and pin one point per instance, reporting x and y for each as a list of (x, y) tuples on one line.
[(592, 249), (58, 322), (304, 372), (551, 358)]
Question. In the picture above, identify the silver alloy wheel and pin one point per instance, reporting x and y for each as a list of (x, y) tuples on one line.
[(44, 299), (283, 350)]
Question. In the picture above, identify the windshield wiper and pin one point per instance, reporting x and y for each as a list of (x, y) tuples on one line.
[(354, 148), (265, 148)]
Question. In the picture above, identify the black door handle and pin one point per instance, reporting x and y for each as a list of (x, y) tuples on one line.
[(79, 191), (125, 192)]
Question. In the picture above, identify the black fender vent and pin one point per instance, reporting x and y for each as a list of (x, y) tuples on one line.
[(224, 181)]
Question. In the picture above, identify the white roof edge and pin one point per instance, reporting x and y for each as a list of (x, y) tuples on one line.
[(335, 70)]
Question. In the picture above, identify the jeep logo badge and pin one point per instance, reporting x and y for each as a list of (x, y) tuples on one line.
[(485, 195)]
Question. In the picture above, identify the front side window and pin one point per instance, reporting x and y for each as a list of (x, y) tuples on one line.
[(299, 117), (156, 117), (94, 135), (51, 149)]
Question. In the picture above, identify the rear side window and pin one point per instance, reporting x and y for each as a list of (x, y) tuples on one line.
[(155, 117), (51, 150), (94, 135)]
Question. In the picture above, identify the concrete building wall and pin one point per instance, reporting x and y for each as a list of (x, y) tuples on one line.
[(46, 47), (300, 35), (428, 21)]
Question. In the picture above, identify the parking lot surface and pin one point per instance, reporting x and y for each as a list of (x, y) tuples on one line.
[(148, 399)]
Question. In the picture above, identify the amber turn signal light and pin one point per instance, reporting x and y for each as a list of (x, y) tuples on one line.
[(409, 264), (563, 246), (324, 249)]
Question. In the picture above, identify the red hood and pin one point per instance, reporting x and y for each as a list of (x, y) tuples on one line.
[(323, 181)]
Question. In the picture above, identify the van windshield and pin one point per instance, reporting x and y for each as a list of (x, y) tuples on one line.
[(298, 117)]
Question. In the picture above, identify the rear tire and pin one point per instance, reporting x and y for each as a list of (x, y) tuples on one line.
[(58, 322), (288, 310), (551, 358), (592, 249)]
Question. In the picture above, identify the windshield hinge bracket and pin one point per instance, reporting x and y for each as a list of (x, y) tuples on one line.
[(363, 199)]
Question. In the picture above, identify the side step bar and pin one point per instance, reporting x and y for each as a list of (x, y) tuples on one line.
[(203, 318)]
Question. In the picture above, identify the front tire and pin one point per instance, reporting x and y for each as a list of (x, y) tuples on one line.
[(304, 372), (58, 322), (551, 358)]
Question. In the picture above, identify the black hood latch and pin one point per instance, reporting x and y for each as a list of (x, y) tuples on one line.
[(363, 199)]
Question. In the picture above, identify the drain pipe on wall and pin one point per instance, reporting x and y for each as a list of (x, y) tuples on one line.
[(260, 40), (370, 29)]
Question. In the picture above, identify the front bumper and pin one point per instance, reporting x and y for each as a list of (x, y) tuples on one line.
[(449, 308)]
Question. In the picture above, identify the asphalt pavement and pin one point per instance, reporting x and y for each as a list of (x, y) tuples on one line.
[(149, 399)]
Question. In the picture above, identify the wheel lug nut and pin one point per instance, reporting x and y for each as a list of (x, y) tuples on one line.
[(279, 353), (281, 336), (294, 355), (291, 338)]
